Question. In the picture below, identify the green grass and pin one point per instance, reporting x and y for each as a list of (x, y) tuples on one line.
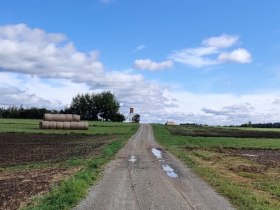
[(32, 126), (245, 190), (218, 131), (69, 192), (206, 142)]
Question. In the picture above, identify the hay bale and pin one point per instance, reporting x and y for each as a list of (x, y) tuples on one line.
[(54, 117), (86, 125), (66, 125), (76, 118), (68, 117), (58, 117), (83, 125), (79, 125), (74, 125), (44, 124), (47, 117), (59, 125), (52, 125)]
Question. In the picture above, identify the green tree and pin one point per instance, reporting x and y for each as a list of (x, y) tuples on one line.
[(90, 106), (107, 105), (136, 118)]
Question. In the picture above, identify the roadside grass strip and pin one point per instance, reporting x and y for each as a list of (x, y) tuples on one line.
[(247, 183), (69, 192)]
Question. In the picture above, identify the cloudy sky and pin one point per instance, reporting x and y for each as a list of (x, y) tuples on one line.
[(202, 61)]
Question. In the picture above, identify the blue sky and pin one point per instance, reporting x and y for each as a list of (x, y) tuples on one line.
[(214, 62)]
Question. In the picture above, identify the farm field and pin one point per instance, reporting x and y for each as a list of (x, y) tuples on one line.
[(52, 169), (241, 164)]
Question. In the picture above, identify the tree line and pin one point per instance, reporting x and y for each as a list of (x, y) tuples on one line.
[(19, 112), (90, 106), (261, 125)]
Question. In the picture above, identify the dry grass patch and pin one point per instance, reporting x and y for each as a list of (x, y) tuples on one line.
[(263, 181)]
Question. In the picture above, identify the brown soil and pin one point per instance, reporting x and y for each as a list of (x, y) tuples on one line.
[(220, 132), (265, 157), (17, 188), (248, 168), (29, 148)]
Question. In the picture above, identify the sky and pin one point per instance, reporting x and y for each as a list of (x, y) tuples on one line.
[(197, 61)]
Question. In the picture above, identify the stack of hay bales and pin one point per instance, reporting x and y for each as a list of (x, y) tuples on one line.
[(63, 121)]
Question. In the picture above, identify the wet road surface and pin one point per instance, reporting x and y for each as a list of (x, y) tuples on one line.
[(144, 176)]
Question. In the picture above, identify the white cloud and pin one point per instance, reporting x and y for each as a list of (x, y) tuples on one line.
[(212, 52), (17, 97), (140, 47), (224, 109), (238, 56), (48, 66), (36, 52), (43, 69), (195, 56), (147, 64), (223, 41)]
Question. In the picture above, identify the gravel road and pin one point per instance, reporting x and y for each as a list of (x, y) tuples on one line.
[(136, 180)]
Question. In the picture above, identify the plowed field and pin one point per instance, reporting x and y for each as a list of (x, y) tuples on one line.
[(18, 186)]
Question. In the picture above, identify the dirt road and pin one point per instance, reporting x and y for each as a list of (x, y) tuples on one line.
[(143, 176)]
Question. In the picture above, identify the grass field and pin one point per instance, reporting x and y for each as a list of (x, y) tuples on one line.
[(32, 126), (245, 170), (52, 169)]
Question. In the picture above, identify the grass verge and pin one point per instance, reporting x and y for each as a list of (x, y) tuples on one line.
[(247, 184), (69, 192)]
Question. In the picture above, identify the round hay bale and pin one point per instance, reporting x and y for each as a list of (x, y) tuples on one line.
[(83, 125), (66, 125), (80, 125), (68, 117), (47, 117), (54, 117), (59, 125), (86, 125), (76, 117), (61, 117), (74, 125), (58, 117), (44, 124), (52, 125)]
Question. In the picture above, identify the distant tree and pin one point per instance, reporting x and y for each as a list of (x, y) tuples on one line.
[(20, 112), (261, 125), (248, 125), (84, 105), (107, 105), (90, 106), (118, 117), (136, 118)]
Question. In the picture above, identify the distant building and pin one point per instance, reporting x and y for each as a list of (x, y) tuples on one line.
[(170, 123)]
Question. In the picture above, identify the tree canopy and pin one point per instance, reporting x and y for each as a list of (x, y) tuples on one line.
[(92, 106), (20, 112), (136, 118)]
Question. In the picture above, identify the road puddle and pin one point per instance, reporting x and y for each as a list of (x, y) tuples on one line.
[(169, 171), (157, 153), (249, 155), (132, 159)]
